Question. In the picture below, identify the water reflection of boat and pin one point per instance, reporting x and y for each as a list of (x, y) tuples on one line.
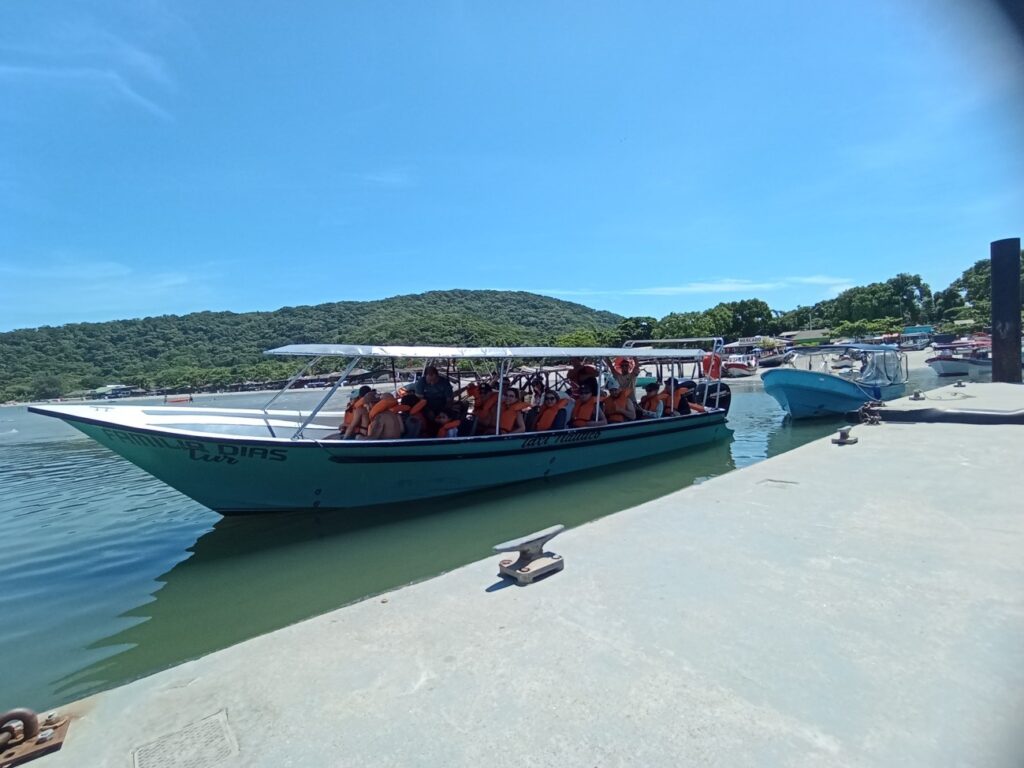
[(249, 576), (816, 391), (237, 461)]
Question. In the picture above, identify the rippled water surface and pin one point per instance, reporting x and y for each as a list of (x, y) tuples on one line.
[(108, 574)]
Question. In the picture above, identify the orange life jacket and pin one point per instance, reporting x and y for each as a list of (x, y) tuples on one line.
[(547, 414), (386, 403), (583, 413), (615, 407), (350, 410), (453, 424), (508, 415), (485, 407)]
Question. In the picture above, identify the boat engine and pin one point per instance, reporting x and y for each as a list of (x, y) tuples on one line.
[(718, 394)]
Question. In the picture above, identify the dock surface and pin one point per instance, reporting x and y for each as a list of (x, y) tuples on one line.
[(857, 605)]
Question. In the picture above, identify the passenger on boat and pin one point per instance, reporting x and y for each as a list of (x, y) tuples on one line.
[(447, 424), (625, 373), (360, 421), (553, 414), (512, 408), (618, 406), (652, 405), (355, 400), (434, 388), (580, 372), (678, 392), (385, 423), (537, 392), (485, 400), (587, 412), (414, 416)]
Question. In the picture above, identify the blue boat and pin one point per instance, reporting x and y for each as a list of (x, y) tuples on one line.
[(812, 388)]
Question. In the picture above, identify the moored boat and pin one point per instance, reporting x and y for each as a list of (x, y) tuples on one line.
[(814, 391), (238, 461)]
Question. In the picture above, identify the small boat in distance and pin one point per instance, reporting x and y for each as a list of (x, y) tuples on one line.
[(240, 461), (810, 388), (744, 356)]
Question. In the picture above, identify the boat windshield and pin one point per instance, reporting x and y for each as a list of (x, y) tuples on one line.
[(882, 368)]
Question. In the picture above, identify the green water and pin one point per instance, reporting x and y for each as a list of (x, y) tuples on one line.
[(109, 575)]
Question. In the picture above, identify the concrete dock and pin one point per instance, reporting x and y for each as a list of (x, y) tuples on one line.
[(857, 605)]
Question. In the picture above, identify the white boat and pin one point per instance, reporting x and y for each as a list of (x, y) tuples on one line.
[(238, 461), (744, 356), (948, 364)]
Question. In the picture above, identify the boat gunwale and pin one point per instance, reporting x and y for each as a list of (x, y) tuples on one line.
[(389, 444)]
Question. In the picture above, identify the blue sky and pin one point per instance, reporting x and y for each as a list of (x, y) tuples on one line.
[(160, 157)]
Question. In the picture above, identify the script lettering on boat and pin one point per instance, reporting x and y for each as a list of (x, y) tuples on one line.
[(562, 438), (198, 450)]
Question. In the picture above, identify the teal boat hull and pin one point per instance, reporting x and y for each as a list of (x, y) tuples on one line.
[(811, 394), (240, 475)]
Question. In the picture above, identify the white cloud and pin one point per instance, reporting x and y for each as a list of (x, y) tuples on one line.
[(101, 80), (724, 285)]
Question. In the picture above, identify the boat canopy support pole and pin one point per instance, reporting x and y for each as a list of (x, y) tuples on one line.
[(328, 396), (1006, 303), (292, 380)]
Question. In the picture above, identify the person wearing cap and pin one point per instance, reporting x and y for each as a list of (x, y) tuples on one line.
[(618, 406), (652, 405)]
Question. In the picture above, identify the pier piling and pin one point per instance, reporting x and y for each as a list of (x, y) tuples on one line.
[(1006, 308)]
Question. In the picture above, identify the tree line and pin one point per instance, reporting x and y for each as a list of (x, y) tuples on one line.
[(214, 349)]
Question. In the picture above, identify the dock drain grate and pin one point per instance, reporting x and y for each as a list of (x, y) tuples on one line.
[(201, 744)]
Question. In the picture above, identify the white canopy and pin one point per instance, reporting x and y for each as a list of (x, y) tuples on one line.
[(355, 350)]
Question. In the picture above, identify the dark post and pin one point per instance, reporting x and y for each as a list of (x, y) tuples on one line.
[(1006, 310)]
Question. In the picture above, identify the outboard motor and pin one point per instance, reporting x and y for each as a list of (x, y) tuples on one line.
[(718, 394)]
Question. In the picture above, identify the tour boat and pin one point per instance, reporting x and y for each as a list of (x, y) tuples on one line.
[(811, 391), (239, 461), (744, 356)]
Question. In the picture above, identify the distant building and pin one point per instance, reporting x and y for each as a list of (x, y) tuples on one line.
[(816, 336)]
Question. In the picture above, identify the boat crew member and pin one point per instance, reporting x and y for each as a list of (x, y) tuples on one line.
[(618, 406), (434, 388), (553, 414), (511, 418), (587, 412), (384, 422)]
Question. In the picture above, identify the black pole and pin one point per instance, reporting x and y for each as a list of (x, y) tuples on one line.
[(1006, 363)]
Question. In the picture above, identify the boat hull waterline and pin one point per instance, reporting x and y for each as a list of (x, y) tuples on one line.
[(809, 394), (234, 474)]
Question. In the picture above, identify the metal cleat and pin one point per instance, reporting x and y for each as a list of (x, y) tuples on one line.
[(918, 395), (533, 561), (21, 739), (959, 384), (844, 438)]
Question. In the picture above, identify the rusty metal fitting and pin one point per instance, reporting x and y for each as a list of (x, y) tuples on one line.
[(533, 562), (918, 395), (959, 384), (22, 724)]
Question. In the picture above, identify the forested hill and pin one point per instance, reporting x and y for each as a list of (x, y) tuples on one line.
[(223, 347)]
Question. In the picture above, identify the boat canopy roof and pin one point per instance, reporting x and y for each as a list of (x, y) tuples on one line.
[(827, 348), (356, 350)]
